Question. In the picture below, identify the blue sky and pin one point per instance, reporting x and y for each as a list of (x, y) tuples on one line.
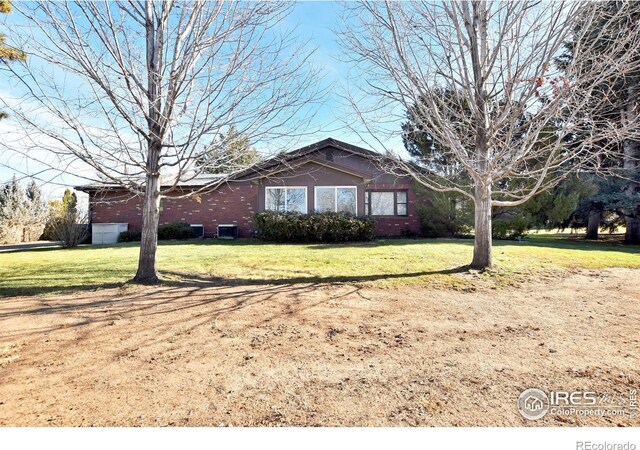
[(316, 22)]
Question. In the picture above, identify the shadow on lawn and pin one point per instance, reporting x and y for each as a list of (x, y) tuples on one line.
[(570, 243), (198, 280), (29, 291), (205, 303), (206, 298), (340, 279)]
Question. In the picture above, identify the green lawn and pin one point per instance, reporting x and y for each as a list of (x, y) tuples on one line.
[(385, 263)]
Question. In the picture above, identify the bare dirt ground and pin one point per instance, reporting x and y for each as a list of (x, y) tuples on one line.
[(317, 354)]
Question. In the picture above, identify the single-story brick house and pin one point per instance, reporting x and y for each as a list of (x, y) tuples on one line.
[(329, 175)]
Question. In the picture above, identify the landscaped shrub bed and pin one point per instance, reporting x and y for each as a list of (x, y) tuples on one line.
[(130, 236), (316, 227), (178, 230)]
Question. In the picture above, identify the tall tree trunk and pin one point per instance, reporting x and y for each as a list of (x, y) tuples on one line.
[(147, 270), (483, 240), (593, 224), (478, 35)]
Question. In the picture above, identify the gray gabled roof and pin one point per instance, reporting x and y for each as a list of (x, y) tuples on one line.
[(288, 157), (260, 167)]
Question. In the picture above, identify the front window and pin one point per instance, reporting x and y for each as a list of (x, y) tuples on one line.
[(286, 199), (336, 199), (386, 203)]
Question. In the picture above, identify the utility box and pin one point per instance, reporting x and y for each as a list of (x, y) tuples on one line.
[(107, 233)]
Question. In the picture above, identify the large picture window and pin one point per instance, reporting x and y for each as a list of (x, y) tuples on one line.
[(386, 203), (286, 199), (336, 199)]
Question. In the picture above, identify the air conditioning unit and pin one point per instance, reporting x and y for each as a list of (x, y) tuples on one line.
[(227, 231), (198, 228)]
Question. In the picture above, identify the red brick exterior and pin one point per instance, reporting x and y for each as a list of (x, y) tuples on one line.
[(238, 201), (398, 225), (230, 204), (235, 204)]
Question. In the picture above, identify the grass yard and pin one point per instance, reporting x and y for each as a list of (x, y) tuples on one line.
[(388, 263), (389, 333)]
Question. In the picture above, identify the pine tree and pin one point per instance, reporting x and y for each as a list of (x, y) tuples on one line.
[(60, 210), (69, 200), (450, 213), (37, 212), (231, 152), (621, 196)]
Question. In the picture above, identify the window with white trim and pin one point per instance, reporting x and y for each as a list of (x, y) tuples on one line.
[(336, 199), (385, 203), (286, 199)]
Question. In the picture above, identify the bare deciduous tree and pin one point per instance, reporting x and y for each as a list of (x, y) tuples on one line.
[(70, 227), (481, 79), (135, 90)]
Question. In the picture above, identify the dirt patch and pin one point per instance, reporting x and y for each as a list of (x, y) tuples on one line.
[(317, 354)]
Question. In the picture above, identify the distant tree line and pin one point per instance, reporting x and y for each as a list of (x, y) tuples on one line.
[(26, 217)]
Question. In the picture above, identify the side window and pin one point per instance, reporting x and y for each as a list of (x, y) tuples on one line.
[(382, 204), (386, 203)]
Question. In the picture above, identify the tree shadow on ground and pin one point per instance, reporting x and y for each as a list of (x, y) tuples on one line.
[(187, 291), (570, 243), (30, 291), (185, 278), (205, 297)]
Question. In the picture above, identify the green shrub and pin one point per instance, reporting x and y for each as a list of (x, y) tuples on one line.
[(511, 224), (443, 214), (130, 236), (317, 227), (177, 230)]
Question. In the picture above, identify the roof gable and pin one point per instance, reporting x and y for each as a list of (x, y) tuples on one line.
[(281, 162), (313, 153)]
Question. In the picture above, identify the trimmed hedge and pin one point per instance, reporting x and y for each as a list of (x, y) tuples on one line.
[(316, 227), (178, 230)]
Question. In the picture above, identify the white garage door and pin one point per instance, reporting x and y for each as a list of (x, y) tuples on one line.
[(107, 233)]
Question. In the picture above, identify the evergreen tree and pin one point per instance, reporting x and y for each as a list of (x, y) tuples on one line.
[(620, 197), (58, 209), (229, 153), (69, 200)]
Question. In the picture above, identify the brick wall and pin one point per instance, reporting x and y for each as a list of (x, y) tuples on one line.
[(396, 225), (231, 204)]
